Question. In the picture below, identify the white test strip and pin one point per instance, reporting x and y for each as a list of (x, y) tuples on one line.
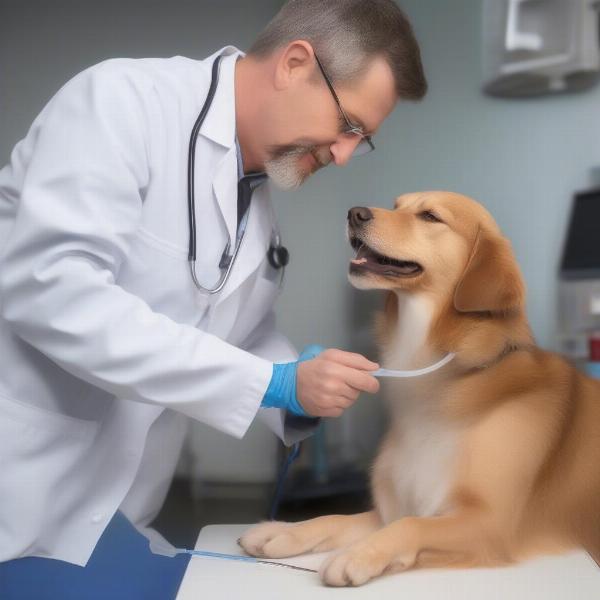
[(414, 372)]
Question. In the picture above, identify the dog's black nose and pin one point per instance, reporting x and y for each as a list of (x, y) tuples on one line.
[(359, 215)]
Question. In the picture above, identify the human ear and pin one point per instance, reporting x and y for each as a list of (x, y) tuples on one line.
[(296, 62)]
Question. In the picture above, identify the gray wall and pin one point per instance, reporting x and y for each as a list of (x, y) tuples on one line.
[(522, 159), (43, 44)]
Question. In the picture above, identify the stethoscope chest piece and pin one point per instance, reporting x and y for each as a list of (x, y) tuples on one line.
[(279, 256)]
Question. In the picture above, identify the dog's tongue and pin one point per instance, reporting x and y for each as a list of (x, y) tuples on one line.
[(371, 260)]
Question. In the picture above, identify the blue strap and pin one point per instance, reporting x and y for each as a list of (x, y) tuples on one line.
[(208, 554)]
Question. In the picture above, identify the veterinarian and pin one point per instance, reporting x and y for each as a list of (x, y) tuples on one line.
[(126, 308)]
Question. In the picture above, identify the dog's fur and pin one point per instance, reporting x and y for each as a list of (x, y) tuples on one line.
[(493, 458)]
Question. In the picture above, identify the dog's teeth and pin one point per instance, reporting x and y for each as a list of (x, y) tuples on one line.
[(359, 261)]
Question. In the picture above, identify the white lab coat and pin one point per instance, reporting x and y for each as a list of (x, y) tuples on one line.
[(106, 345)]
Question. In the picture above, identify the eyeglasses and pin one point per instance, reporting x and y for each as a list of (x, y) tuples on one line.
[(366, 144)]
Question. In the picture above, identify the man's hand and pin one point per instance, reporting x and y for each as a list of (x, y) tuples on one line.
[(331, 382)]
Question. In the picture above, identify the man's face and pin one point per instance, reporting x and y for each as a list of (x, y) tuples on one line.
[(309, 129)]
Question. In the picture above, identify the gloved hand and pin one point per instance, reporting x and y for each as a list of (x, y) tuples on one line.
[(322, 383), (281, 392)]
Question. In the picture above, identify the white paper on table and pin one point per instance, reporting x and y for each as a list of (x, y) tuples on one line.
[(573, 576)]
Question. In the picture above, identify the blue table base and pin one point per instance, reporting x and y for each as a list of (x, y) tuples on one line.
[(120, 568)]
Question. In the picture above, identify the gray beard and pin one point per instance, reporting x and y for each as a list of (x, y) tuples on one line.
[(283, 167)]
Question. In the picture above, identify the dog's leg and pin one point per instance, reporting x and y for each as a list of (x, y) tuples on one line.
[(489, 497), (462, 539), (276, 539)]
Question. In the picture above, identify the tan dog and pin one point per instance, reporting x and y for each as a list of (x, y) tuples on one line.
[(491, 459)]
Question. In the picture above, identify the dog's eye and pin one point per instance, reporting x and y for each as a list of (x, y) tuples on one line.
[(429, 216)]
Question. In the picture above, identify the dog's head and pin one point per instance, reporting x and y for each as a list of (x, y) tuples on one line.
[(440, 243)]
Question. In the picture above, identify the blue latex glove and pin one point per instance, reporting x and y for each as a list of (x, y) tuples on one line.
[(281, 392)]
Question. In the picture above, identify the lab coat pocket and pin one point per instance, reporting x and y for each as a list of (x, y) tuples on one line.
[(260, 296), (41, 453), (160, 275), (27, 418)]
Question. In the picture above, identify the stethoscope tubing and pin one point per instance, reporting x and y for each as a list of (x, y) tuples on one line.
[(191, 196), (192, 201), (191, 154)]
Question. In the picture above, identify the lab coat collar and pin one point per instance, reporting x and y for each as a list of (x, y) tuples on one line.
[(220, 123)]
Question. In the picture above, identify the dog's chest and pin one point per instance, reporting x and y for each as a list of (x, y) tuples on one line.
[(418, 457), (419, 464)]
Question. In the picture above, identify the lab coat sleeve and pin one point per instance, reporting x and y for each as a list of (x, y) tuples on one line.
[(81, 203), (265, 341)]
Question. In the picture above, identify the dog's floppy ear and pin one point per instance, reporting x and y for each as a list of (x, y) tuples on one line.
[(491, 281)]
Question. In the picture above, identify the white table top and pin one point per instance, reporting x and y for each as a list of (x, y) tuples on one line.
[(573, 576)]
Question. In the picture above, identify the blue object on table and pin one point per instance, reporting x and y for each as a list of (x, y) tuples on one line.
[(236, 557), (593, 369), (122, 567)]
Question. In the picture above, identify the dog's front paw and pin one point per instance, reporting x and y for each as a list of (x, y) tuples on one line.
[(356, 565), (271, 539)]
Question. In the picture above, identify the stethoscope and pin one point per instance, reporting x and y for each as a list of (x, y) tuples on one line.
[(277, 255)]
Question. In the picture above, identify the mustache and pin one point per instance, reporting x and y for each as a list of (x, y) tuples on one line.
[(321, 155)]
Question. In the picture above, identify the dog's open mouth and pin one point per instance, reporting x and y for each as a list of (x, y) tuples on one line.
[(368, 260)]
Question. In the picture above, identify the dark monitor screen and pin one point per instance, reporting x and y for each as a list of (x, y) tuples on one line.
[(581, 254)]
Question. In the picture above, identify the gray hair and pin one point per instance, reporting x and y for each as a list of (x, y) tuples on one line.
[(347, 35)]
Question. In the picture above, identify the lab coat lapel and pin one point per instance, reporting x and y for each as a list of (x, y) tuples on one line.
[(225, 190), (219, 127), (255, 243)]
